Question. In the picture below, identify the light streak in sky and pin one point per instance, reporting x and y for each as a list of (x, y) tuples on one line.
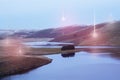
[(63, 17), (94, 29)]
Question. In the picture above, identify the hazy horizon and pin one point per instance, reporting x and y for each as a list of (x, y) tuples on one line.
[(43, 14)]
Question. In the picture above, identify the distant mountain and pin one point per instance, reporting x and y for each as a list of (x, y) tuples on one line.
[(108, 34), (47, 33), (22, 33), (5, 33), (79, 34)]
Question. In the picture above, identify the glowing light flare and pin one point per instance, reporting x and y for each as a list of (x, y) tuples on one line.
[(20, 51), (94, 34), (13, 47), (63, 18), (7, 42)]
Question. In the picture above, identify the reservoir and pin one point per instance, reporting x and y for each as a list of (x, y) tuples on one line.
[(89, 63)]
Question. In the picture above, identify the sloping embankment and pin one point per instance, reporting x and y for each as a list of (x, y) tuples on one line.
[(11, 65)]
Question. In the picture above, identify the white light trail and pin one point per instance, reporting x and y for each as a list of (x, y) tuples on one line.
[(94, 29), (63, 17)]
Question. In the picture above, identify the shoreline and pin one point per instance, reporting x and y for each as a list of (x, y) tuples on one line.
[(12, 65)]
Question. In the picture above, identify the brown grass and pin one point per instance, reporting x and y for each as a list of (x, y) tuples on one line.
[(20, 64)]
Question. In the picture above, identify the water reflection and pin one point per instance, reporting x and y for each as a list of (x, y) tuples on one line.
[(68, 47), (83, 66), (88, 64), (110, 51), (113, 52), (68, 55)]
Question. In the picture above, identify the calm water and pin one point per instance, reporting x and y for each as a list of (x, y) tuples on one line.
[(46, 43), (88, 64)]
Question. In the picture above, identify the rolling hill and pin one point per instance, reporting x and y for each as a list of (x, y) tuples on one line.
[(108, 34)]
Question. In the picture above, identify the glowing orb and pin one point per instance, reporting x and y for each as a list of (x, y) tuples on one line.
[(7, 42), (63, 18), (13, 47), (20, 51), (95, 35)]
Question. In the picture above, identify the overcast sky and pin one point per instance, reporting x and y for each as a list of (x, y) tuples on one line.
[(41, 14)]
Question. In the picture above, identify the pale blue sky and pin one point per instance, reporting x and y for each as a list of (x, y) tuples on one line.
[(41, 14)]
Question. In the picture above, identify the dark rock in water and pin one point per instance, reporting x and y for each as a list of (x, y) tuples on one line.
[(12, 65), (68, 47), (68, 55)]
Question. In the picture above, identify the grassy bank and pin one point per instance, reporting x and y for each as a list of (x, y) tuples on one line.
[(10, 65)]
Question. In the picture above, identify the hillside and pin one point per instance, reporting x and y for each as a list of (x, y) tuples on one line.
[(108, 34)]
